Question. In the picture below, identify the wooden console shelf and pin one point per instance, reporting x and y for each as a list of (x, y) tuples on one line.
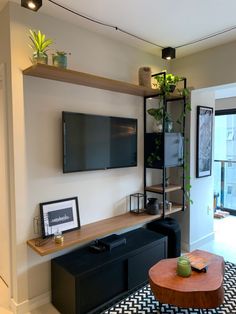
[(95, 230), (80, 78)]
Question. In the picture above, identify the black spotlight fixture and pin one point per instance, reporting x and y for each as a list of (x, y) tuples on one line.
[(33, 5), (168, 53)]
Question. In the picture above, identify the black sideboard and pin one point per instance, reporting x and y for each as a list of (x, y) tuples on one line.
[(85, 282)]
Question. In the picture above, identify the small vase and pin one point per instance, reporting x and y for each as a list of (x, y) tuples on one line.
[(168, 126), (145, 76), (172, 88), (40, 58), (152, 206), (59, 61)]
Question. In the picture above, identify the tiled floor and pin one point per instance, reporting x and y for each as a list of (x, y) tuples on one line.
[(224, 244)]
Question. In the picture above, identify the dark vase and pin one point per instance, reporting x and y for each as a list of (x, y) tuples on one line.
[(152, 206), (172, 88)]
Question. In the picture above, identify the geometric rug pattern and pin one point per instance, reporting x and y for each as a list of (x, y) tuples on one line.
[(144, 302)]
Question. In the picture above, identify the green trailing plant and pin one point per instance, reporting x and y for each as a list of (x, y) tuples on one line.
[(40, 45), (166, 83), (158, 114)]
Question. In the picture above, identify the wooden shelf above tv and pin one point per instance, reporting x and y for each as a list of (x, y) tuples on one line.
[(80, 78)]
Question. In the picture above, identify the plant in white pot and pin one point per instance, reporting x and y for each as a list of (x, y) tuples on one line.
[(40, 46)]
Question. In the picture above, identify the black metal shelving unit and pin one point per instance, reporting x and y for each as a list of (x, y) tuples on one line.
[(163, 166)]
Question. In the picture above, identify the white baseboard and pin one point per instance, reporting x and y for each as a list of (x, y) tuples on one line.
[(29, 305), (196, 244)]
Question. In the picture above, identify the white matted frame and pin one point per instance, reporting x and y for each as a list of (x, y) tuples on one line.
[(59, 216)]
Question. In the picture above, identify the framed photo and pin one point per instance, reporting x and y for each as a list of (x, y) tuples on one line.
[(204, 141), (61, 215)]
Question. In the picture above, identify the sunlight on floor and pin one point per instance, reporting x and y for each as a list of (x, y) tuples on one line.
[(225, 239)]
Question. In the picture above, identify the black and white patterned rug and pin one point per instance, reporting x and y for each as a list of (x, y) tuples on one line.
[(144, 302)]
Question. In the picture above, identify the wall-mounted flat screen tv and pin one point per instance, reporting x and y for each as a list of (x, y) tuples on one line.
[(92, 142)]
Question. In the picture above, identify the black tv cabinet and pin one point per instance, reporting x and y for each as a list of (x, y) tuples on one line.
[(85, 282)]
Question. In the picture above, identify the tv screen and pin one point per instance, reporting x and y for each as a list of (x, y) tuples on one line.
[(92, 142)]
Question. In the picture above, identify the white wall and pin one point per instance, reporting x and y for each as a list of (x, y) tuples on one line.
[(226, 103), (37, 106), (211, 67), (201, 211)]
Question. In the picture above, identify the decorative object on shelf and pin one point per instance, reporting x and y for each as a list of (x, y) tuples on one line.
[(168, 205), (145, 76), (183, 267), (59, 59), (152, 206), (58, 237), (204, 141), (59, 216), (39, 45), (136, 203)]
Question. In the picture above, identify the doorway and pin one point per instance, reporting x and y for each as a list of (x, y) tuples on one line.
[(225, 162)]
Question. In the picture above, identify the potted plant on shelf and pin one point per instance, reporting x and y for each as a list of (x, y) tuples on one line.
[(167, 82), (159, 115), (59, 59), (40, 46)]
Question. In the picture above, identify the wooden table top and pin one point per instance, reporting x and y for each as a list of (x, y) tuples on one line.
[(200, 290)]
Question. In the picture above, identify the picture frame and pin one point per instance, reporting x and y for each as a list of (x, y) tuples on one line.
[(204, 141), (59, 216)]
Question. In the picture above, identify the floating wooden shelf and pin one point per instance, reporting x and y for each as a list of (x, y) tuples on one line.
[(92, 231), (158, 188), (80, 78)]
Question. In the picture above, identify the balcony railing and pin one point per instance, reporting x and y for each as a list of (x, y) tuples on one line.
[(225, 184)]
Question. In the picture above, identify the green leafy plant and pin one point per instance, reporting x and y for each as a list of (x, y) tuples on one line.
[(167, 82), (40, 45), (159, 114)]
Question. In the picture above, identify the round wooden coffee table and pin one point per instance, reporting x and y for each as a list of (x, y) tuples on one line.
[(199, 291)]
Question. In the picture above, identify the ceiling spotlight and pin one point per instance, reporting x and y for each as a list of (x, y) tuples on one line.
[(31, 4), (168, 53)]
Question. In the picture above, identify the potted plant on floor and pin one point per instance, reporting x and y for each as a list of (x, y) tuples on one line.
[(40, 47)]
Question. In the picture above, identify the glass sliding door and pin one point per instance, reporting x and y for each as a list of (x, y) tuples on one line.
[(225, 160)]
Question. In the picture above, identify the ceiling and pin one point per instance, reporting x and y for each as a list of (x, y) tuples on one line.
[(164, 22)]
